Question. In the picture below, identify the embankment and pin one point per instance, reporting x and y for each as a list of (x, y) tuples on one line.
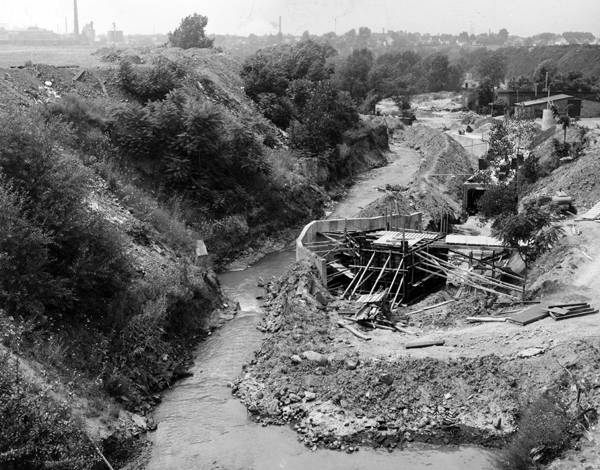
[(436, 188)]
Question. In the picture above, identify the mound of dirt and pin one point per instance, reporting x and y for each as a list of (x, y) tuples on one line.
[(437, 189), (579, 179)]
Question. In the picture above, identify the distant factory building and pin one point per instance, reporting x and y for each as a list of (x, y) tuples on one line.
[(89, 33), (560, 104), (115, 36)]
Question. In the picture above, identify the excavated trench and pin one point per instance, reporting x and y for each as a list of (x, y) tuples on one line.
[(202, 425)]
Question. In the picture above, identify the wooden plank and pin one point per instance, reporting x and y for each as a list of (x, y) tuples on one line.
[(360, 280), (424, 344), (380, 274), (529, 315), (430, 307), (485, 319), (355, 332), (579, 304), (573, 315)]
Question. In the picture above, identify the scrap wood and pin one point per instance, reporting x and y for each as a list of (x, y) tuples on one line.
[(485, 319), (573, 315), (529, 315), (404, 330), (355, 332), (424, 344), (430, 307), (576, 304)]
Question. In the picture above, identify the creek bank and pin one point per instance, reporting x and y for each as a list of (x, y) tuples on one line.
[(340, 392)]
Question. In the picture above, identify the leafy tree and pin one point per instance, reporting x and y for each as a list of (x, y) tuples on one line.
[(500, 148), (463, 37), (190, 33), (265, 72), (353, 75), (531, 230), (397, 73), (492, 66), (327, 114), (499, 199), (547, 66), (441, 75), (485, 93), (503, 35)]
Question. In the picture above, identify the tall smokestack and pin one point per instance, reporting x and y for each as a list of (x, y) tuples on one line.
[(75, 18)]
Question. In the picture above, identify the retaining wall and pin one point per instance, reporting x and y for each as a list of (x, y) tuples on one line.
[(310, 232)]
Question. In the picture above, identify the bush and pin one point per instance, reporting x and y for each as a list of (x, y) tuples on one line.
[(499, 199), (151, 83), (37, 432), (78, 266)]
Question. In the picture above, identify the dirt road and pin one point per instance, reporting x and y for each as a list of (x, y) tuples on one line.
[(404, 163)]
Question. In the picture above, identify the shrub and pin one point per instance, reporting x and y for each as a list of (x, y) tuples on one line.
[(36, 431), (151, 83), (79, 258)]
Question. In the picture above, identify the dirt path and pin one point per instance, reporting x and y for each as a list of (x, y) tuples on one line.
[(404, 163)]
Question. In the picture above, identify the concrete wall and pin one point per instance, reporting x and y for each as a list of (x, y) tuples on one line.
[(310, 233)]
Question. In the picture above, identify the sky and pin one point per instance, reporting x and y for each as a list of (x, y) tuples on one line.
[(521, 17)]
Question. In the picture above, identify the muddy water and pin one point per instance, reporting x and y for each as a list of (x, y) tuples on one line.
[(403, 164), (202, 426)]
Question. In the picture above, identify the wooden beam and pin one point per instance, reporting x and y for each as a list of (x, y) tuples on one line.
[(380, 274)]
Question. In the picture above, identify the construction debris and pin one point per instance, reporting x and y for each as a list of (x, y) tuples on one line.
[(430, 307), (424, 344), (529, 315), (355, 332), (565, 311), (485, 319)]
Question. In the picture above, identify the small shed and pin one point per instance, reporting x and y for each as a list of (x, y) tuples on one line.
[(563, 104)]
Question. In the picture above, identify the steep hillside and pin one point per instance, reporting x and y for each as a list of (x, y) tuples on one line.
[(579, 58)]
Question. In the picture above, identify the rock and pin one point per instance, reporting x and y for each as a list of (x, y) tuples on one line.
[(310, 396), (322, 298), (498, 423), (351, 363), (424, 421), (386, 379), (296, 359), (315, 357), (530, 352), (447, 396), (293, 398)]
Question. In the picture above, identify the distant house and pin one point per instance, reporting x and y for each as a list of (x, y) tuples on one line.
[(561, 104), (470, 82)]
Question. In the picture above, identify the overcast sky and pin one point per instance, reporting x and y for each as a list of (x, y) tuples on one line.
[(522, 17)]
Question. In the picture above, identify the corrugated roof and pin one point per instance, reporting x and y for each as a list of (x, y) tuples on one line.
[(545, 100), (475, 240), (390, 238)]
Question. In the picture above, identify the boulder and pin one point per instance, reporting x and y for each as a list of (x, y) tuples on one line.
[(314, 356)]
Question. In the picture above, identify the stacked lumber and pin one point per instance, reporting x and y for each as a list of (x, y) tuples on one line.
[(565, 311)]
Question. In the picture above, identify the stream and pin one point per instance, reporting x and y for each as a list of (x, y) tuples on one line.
[(201, 425)]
